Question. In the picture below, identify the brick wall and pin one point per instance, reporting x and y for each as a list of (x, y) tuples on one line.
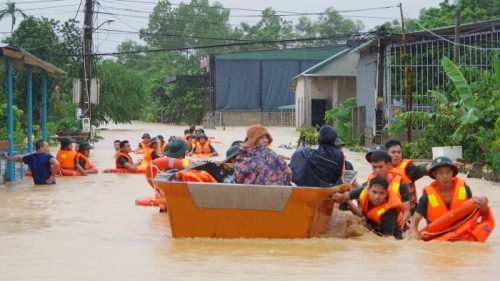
[(270, 119)]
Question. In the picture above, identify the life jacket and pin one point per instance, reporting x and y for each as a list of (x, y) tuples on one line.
[(394, 184), (192, 175), (202, 148), (147, 156), (343, 166), (436, 206), (401, 171), (374, 214), (120, 154), (79, 156), (163, 145), (143, 145), (66, 159)]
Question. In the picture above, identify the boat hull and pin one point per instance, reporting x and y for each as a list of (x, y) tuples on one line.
[(246, 211)]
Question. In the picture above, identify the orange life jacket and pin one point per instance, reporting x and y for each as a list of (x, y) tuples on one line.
[(144, 145), (436, 207), (120, 154), (147, 156), (202, 148), (401, 171), (79, 156), (343, 166), (394, 184), (66, 159), (374, 214), (163, 145)]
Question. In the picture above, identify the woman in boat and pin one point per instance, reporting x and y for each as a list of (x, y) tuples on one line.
[(446, 193), (257, 164), (82, 162)]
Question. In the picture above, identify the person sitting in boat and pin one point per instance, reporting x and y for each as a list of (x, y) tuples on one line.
[(191, 142), (203, 147), (43, 166), (258, 164), (66, 154), (347, 164), (176, 148), (123, 159), (230, 162), (82, 162), (381, 161), (144, 144), (379, 204), (446, 193), (321, 167), (153, 151)]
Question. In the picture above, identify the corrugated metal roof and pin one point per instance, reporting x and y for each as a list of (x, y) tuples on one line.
[(285, 54)]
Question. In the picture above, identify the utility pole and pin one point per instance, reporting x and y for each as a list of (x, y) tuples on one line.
[(456, 49), (87, 60), (379, 103), (408, 97)]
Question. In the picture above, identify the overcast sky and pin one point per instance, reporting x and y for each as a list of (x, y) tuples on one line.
[(134, 20)]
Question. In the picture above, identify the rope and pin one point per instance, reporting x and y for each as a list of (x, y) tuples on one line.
[(454, 226), (151, 165)]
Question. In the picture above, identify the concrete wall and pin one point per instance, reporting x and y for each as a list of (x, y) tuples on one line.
[(341, 66), (334, 89), (299, 101), (248, 118)]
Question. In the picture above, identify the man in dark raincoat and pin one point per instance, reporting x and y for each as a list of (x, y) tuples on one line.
[(320, 167)]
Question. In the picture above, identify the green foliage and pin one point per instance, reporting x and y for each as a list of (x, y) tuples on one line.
[(460, 117), (19, 119), (342, 117), (309, 134), (11, 11), (121, 94)]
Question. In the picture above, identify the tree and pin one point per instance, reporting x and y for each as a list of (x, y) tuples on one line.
[(271, 27), (11, 11), (470, 11), (122, 94), (58, 44), (330, 24)]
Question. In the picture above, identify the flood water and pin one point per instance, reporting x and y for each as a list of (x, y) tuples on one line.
[(88, 228)]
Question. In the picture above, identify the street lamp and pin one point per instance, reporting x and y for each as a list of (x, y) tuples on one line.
[(108, 22)]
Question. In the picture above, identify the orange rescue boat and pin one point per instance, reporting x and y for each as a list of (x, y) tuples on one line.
[(219, 210)]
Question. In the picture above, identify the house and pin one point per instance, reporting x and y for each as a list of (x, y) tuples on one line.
[(250, 87), (323, 86), (380, 78)]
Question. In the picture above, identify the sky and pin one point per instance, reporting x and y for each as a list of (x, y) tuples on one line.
[(125, 20)]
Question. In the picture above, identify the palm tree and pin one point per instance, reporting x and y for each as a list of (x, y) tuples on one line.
[(11, 11)]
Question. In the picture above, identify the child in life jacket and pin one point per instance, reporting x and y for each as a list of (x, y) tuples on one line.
[(447, 192)]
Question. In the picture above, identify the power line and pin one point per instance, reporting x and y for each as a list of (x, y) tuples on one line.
[(117, 31), (337, 37)]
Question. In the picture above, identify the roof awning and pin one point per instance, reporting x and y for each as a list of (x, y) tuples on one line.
[(287, 107)]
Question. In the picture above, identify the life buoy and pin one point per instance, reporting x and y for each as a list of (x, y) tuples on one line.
[(162, 164), (70, 173), (121, 170), (74, 173), (465, 223), (215, 141), (146, 201)]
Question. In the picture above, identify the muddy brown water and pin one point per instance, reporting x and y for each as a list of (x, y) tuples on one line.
[(88, 228)]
